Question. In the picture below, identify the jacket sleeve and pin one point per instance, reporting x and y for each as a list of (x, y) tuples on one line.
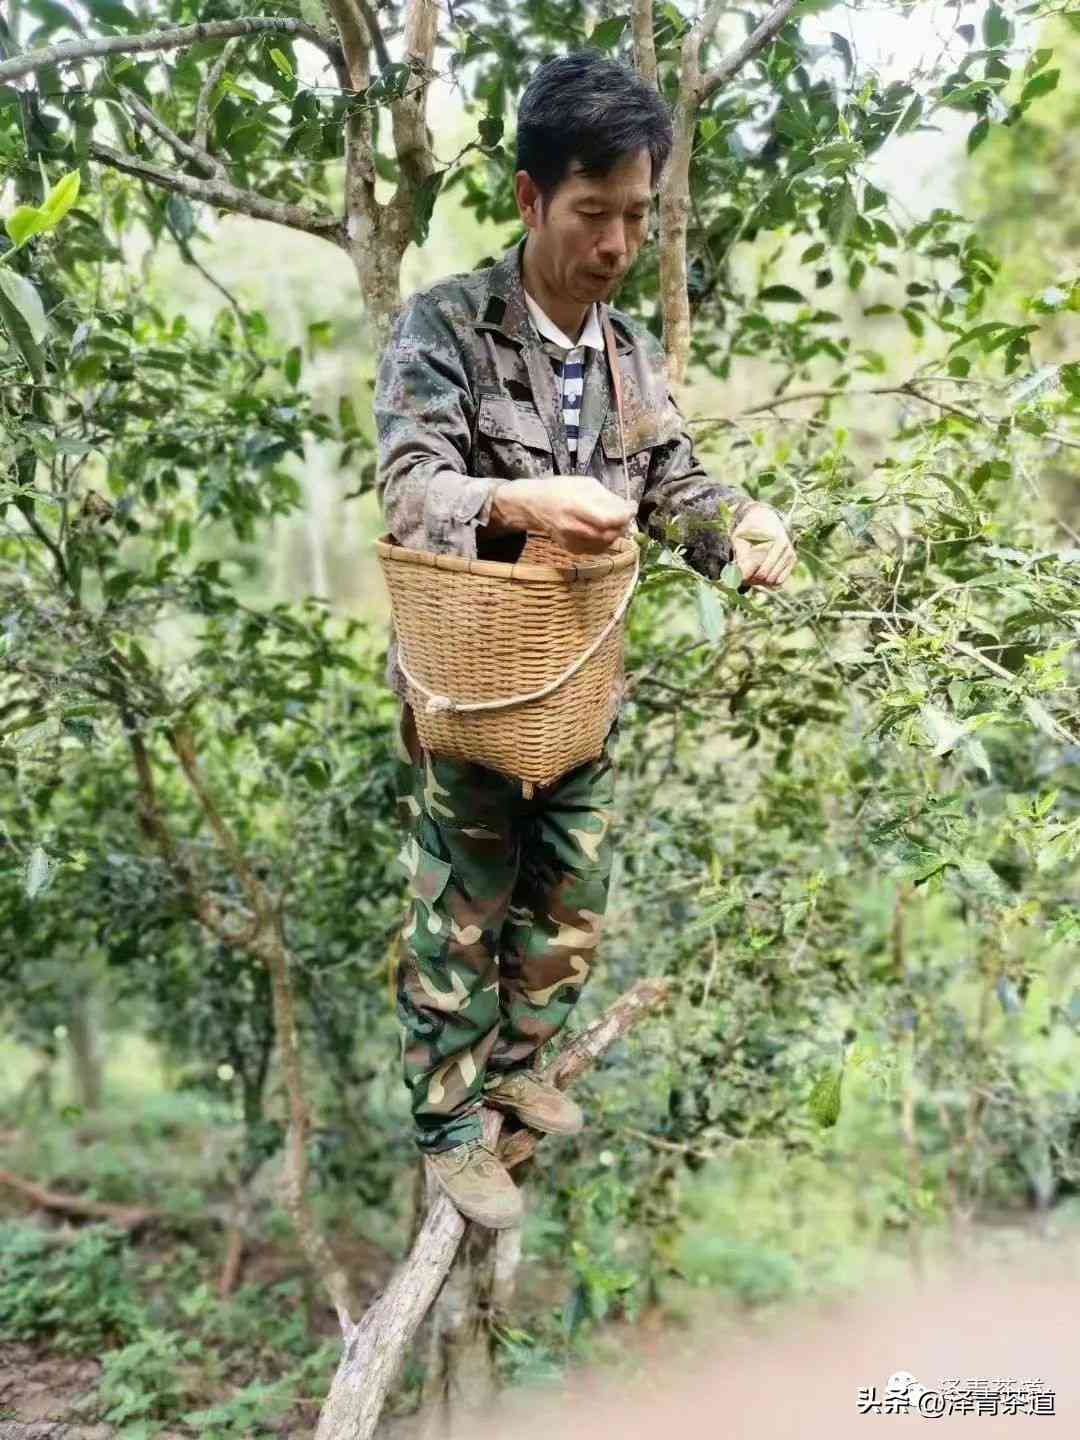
[(679, 502), (424, 412)]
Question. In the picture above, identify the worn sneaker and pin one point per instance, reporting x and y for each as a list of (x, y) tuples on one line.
[(536, 1103), (478, 1183)]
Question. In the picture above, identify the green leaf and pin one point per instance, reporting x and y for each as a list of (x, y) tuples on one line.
[(491, 131), (294, 359), (24, 221), (1040, 717), (54, 16), (783, 294), (996, 30), (823, 1101), (1040, 84), (977, 134), (911, 116), (313, 12), (60, 198), (1060, 848), (980, 876), (111, 12), (940, 728), (281, 63), (181, 216), (23, 317), (841, 214), (424, 206), (731, 577), (913, 320), (606, 35), (967, 97), (710, 613)]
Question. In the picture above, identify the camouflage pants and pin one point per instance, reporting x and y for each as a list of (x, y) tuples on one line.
[(506, 899)]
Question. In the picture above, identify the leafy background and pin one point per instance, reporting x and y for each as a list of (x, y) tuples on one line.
[(848, 815)]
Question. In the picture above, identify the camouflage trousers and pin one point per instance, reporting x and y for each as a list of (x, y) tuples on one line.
[(506, 899)]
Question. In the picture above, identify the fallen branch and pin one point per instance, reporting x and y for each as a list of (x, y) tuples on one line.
[(375, 1347), (127, 1217)]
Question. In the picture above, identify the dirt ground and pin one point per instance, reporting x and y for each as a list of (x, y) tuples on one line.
[(1014, 1318), (1008, 1312)]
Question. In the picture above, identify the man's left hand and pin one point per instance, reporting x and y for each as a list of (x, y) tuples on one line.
[(762, 548)]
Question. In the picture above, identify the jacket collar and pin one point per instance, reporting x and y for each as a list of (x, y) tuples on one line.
[(503, 306)]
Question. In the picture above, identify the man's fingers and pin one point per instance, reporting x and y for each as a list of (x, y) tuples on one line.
[(754, 564), (773, 570), (775, 574), (775, 563)]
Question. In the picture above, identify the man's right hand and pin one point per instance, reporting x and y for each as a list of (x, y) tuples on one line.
[(577, 511)]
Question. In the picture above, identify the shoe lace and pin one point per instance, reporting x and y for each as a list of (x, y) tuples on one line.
[(466, 1154), (482, 1158)]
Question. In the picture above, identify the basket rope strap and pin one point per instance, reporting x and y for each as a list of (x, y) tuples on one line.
[(437, 703)]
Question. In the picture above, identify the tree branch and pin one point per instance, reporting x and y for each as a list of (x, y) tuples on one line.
[(641, 21), (67, 52), (202, 104), (210, 164), (754, 43), (407, 117), (153, 824), (224, 195), (361, 208)]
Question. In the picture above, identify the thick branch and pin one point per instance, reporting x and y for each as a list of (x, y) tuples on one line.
[(183, 743), (376, 1346), (125, 1217), (347, 16), (693, 44), (313, 1242), (641, 22), (675, 204), (224, 195), (362, 211), (412, 138), (263, 938), (68, 52)]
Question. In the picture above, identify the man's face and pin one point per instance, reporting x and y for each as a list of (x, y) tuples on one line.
[(586, 239)]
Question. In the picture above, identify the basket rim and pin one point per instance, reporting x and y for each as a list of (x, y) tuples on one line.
[(388, 549)]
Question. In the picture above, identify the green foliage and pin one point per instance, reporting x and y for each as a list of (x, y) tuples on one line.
[(849, 806), (78, 1295), (141, 1381)]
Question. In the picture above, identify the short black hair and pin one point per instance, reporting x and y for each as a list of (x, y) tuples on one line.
[(587, 107)]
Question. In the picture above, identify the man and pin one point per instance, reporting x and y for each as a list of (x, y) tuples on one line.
[(495, 415)]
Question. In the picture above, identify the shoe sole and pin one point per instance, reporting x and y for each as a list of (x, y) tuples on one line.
[(509, 1109)]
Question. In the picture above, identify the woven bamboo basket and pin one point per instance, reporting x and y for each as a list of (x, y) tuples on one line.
[(511, 666)]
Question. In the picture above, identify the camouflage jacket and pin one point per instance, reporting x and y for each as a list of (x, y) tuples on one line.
[(466, 398)]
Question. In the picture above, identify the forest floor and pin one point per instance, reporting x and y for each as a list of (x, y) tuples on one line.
[(46, 1395), (153, 1352)]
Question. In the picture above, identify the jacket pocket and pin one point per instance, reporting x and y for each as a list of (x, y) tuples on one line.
[(640, 443), (511, 439), (649, 432)]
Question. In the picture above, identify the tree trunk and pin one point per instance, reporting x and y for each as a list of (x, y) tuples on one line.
[(84, 1050)]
